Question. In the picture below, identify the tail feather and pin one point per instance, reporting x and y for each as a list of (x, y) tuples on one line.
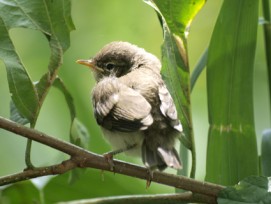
[(160, 158), (170, 157)]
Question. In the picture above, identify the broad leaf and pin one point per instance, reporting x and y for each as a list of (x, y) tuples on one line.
[(250, 190), (22, 192), (60, 27), (53, 19), (21, 88), (232, 148)]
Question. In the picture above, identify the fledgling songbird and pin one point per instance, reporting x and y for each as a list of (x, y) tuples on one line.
[(133, 106)]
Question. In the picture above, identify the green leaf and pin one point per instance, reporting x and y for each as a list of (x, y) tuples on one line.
[(78, 132), (267, 39), (198, 68), (22, 192), (176, 17), (53, 19), (15, 115), (266, 153), (80, 137), (59, 84), (232, 148), (250, 190), (22, 90), (178, 13), (60, 25), (93, 183)]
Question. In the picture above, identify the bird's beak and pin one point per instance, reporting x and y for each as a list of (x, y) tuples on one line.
[(90, 64)]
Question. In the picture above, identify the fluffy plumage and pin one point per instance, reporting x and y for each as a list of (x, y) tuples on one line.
[(133, 106)]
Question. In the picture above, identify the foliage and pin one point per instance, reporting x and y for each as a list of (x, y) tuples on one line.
[(229, 83), (250, 190), (232, 148), (175, 70)]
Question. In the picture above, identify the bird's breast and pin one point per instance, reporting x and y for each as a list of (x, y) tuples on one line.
[(121, 140)]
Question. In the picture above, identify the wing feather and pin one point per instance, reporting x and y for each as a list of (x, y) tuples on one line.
[(118, 107), (168, 108)]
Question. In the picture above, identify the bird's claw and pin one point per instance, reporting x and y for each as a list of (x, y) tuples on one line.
[(149, 178), (109, 159)]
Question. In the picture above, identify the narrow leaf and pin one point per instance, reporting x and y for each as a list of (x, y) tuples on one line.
[(198, 69), (176, 17), (267, 39), (232, 148)]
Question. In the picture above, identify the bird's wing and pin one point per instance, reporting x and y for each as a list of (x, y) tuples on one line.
[(118, 107), (168, 109)]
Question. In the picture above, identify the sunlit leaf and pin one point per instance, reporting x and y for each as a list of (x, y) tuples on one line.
[(179, 13)]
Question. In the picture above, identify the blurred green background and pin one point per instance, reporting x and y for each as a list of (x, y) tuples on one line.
[(98, 23)]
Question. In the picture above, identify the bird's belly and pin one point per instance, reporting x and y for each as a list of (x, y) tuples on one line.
[(123, 140)]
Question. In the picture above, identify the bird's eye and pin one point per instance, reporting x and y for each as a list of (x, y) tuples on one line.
[(110, 66)]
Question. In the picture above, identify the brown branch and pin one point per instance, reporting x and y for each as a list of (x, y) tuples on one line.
[(38, 172), (83, 158), (187, 197)]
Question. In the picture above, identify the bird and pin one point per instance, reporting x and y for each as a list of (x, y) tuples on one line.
[(133, 106)]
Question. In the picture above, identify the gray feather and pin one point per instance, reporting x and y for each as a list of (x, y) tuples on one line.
[(122, 109), (168, 108), (170, 157)]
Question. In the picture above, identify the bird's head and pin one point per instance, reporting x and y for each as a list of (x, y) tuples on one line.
[(119, 58)]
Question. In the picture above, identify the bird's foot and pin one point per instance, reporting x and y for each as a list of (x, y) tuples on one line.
[(109, 158), (149, 178)]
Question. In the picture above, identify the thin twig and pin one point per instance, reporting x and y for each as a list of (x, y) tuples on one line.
[(38, 172), (82, 158), (157, 199)]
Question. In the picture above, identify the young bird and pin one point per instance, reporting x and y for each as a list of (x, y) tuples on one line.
[(133, 106)]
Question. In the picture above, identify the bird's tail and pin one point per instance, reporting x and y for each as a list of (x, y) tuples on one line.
[(160, 158)]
